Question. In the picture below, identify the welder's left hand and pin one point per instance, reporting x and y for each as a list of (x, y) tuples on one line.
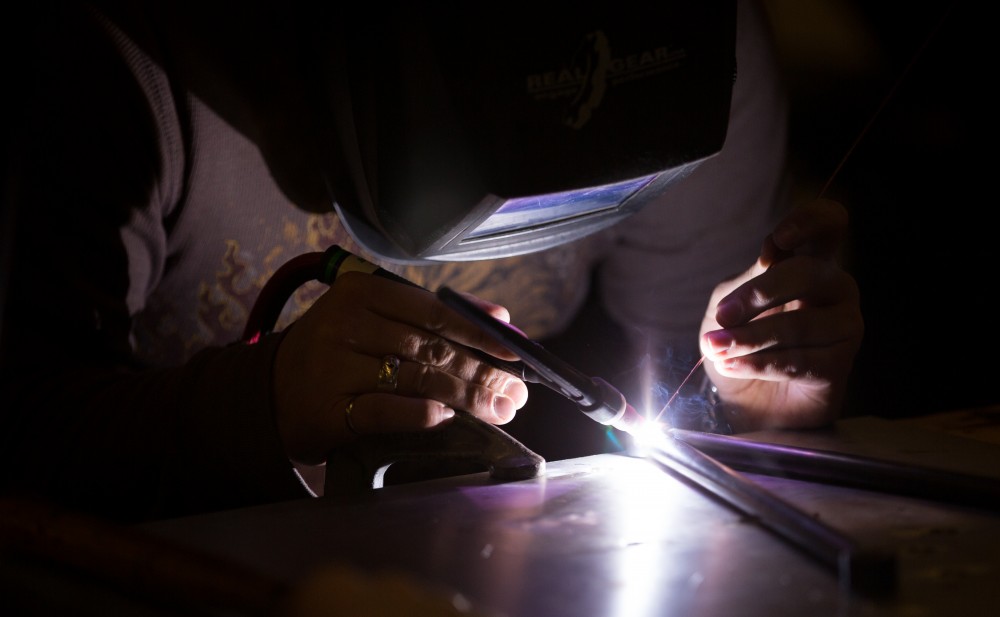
[(780, 339)]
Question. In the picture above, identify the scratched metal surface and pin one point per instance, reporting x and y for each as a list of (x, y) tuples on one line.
[(613, 535)]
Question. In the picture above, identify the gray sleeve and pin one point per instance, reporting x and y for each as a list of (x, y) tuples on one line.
[(85, 425), (667, 258)]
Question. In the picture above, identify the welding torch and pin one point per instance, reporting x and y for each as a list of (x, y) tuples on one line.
[(598, 400), (595, 397)]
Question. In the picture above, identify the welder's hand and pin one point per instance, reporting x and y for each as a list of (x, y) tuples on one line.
[(780, 339), (328, 365)]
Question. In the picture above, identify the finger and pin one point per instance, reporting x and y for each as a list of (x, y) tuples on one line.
[(370, 414), (494, 310), (417, 307), (491, 394), (816, 228), (817, 366), (437, 368), (824, 327), (804, 279), (771, 253), (425, 347)]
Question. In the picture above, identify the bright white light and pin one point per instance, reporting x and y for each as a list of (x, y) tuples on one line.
[(648, 518), (649, 433)]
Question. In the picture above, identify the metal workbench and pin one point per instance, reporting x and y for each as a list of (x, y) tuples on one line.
[(614, 534)]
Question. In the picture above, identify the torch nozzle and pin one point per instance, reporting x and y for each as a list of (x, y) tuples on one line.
[(611, 408), (630, 420)]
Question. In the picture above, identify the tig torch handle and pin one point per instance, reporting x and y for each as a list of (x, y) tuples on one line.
[(339, 262), (596, 398)]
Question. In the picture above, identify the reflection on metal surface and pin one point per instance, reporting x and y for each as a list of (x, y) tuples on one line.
[(638, 568), (634, 541), (867, 569), (850, 470)]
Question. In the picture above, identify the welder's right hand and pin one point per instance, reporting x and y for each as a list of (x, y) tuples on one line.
[(329, 364)]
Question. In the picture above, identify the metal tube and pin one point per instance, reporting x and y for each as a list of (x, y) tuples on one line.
[(861, 568), (846, 469)]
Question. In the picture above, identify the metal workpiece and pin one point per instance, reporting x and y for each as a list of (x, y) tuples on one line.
[(870, 570), (612, 535), (824, 465)]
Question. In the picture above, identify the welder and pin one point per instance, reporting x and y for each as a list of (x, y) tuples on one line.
[(171, 157)]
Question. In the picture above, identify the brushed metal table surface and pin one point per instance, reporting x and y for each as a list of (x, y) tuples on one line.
[(612, 534)]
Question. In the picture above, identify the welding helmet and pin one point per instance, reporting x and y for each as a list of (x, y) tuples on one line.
[(464, 131)]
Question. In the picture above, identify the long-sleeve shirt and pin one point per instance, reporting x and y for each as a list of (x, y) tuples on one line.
[(147, 223)]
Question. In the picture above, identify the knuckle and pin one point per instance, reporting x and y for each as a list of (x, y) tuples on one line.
[(437, 352), (790, 366), (488, 376), (759, 298), (410, 346)]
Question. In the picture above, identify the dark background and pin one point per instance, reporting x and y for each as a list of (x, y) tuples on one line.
[(919, 76), (923, 247), (923, 243)]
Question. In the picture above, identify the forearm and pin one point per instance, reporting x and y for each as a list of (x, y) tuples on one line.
[(146, 444)]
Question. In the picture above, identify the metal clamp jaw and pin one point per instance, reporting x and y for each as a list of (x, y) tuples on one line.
[(360, 467)]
